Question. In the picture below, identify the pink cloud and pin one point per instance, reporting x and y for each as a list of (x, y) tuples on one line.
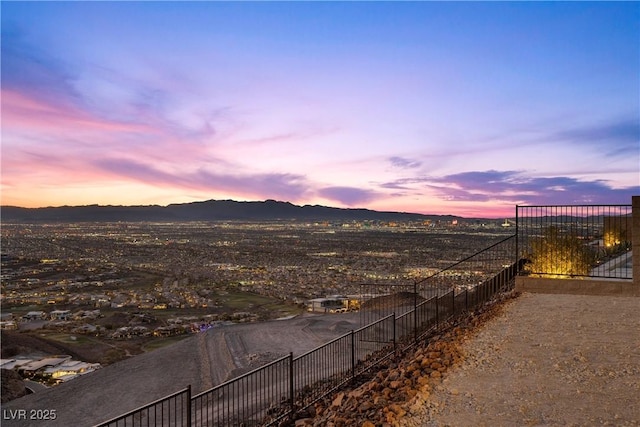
[(20, 111), (266, 185), (37, 131)]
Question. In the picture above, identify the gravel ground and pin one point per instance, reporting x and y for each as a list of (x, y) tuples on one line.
[(549, 360)]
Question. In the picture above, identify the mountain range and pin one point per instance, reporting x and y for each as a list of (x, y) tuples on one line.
[(210, 210)]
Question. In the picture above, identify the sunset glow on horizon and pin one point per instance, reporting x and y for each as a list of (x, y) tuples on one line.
[(464, 108)]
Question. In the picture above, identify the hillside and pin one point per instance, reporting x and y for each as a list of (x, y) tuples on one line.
[(211, 210)]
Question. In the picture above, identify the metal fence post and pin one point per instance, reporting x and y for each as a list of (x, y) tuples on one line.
[(394, 334), (453, 302), (291, 383), (415, 312), (353, 355), (189, 405), (517, 234)]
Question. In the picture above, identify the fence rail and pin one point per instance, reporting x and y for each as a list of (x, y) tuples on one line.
[(397, 320), (246, 399), (576, 241), (173, 410), (473, 270)]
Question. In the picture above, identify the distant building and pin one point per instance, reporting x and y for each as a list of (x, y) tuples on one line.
[(86, 329), (100, 300), (60, 315), (119, 301), (57, 368), (35, 315), (331, 304), (30, 369), (87, 314), (13, 363), (69, 369), (8, 325)]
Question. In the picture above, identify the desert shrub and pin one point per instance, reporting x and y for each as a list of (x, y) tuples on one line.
[(560, 253)]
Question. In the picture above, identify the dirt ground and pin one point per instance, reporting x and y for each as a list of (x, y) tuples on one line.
[(546, 360), (549, 360), (202, 361)]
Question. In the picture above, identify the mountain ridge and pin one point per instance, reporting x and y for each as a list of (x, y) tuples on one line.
[(208, 210)]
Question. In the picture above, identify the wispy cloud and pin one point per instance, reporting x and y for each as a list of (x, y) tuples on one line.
[(403, 163), (399, 184), (265, 185), (40, 90), (616, 138), (520, 188), (24, 111), (349, 196), (517, 187)]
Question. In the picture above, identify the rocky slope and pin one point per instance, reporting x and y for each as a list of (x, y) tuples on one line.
[(403, 386)]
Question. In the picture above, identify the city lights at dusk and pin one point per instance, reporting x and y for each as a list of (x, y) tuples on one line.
[(458, 108)]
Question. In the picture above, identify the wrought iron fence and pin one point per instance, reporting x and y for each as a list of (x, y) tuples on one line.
[(450, 292), (247, 399), (576, 241), (173, 410), (328, 367), (381, 300), (472, 271)]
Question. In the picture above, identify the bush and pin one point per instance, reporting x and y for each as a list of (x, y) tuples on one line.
[(560, 254)]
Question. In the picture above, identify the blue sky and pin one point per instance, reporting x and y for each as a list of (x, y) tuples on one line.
[(433, 107)]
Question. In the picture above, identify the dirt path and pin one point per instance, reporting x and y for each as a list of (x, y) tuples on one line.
[(549, 360)]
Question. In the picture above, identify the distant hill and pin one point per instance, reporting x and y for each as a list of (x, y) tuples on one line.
[(211, 210)]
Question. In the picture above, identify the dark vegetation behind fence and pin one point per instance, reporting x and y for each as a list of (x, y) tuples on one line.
[(576, 241)]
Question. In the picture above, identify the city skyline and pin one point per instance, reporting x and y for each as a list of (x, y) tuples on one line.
[(425, 107)]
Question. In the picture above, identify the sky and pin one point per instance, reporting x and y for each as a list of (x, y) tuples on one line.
[(465, 108)]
